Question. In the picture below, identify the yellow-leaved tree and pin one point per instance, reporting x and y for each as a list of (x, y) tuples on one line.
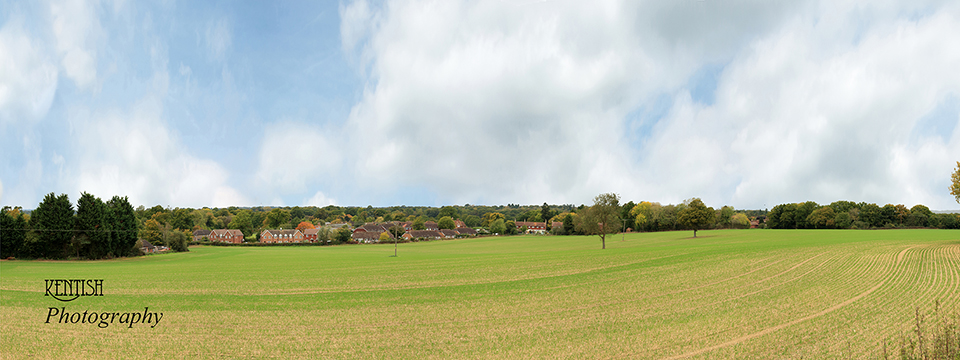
[(955, 183)]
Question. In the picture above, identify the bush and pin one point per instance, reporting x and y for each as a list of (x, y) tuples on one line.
[(739, 221), (178, 241)]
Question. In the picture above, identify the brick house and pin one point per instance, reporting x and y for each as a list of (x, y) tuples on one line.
[(425, 234), (226, 235), (146, 247), (199, 234), (430, 225), (449, 234), (310, 234), (281, 236), (533, 227), (371, 227), (368, 237)]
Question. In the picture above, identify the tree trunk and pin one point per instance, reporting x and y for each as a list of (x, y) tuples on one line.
[(694, 232), (603, 242)]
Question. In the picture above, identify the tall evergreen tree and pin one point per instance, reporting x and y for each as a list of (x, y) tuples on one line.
[(546, 214), (125, 225), (568, 225), (53, 222), (92, 238), (13, 229)]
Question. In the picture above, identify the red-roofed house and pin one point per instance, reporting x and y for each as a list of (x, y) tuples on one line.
[(371, 227), (310, 234), (281, 236), (199, 234), (425, 234), (369, 236), (533, 227), (226, 235)]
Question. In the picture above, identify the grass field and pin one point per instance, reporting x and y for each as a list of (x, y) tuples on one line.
[(726, 294)]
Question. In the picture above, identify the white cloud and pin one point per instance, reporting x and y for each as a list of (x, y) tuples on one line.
[(318, 199), (811, 112), (77, 30), (27, 186), (136, 155), (295, 156), (355, 21), (508, 101), (503, 102), (487, 102), (28, 79)]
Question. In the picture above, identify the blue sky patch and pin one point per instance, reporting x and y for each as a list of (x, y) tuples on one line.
[(703, 83)]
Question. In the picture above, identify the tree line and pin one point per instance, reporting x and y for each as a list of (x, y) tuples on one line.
[(608, 216), (95, 229), (851, 215), (98, 229), (253, 220), (55, 230)]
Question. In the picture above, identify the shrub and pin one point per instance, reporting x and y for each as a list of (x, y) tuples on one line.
[(739, 221), (178, 241)]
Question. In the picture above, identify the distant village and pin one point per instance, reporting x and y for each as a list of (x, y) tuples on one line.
[(372, 232), (96, 229)]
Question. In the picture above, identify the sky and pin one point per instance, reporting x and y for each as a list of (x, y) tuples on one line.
[(355, 103)]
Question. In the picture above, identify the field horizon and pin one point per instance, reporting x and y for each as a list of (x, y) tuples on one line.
[(723, 294)]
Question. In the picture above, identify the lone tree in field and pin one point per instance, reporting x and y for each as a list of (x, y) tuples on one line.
[(696, 216), (955, 186), (602, 218)]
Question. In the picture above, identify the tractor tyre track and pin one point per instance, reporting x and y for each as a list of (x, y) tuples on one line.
[(771, 329)]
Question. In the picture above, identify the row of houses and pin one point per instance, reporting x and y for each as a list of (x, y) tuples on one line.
[(371, 232), (373, 236), (220, 235), (282, 236), (534, 227), (268, 236), (367, 233)]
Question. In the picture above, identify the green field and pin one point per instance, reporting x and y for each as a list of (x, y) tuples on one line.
[(726, 294)]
